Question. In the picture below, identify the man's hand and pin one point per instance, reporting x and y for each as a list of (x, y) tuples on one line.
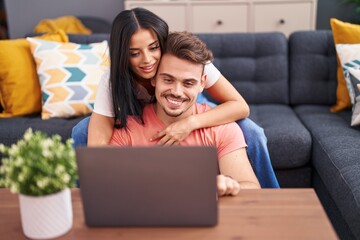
[(174, 133), (227, 186)]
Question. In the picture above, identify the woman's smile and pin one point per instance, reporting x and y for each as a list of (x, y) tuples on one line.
[(148, 68)]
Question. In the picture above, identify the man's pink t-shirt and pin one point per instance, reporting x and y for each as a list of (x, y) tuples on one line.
[(226, 138)]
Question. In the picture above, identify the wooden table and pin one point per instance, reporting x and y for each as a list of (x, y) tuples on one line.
[(253, 214)]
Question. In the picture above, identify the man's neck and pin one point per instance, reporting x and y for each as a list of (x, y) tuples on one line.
[(166, 119)]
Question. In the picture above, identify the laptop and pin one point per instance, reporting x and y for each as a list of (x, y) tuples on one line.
[(148, 186)]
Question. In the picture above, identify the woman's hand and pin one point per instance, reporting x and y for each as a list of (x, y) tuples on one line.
[(175, 132)]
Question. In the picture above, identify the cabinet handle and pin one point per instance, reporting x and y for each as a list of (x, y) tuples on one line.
[(219, 22), (282, 21)]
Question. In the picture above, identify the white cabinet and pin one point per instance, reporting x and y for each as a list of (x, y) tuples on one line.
[(213, 16), (283, 17), (173, 12)]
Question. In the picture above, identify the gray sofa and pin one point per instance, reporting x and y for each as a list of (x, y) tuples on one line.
[(290, 85)]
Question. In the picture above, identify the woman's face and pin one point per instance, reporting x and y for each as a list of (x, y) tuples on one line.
[(145, 53)]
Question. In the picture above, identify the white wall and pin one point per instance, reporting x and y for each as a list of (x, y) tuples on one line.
[(23, 15)]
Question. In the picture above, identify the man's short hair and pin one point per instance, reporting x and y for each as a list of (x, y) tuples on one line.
[(186, 46)]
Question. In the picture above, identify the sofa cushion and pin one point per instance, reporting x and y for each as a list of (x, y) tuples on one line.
[(312, 68), (284, 131), (255, 63), (12, 129), (69, 75), (81, 38), (336, 158), (16, 126), (86, 39), (19, 83), (96, 24)]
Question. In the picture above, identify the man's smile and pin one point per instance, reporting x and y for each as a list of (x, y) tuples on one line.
[(174, 101)]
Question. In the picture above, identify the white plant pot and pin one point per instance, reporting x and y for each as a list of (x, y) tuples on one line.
[(48, 216)]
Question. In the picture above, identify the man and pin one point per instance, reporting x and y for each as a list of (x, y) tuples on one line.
[(179, 80)]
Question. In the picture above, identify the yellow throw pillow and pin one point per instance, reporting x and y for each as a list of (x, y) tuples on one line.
[(20, 92), (343, 33), (68, 24), (69, 75), (58, 36)]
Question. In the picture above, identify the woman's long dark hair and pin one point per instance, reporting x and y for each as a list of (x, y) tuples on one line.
[(122, 83)]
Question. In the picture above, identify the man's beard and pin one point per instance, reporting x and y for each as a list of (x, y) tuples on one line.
[(175, 97), (172, 115)]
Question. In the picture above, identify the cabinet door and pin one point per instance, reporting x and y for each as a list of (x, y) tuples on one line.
[(219, 17), (283, 17), (173, 13)]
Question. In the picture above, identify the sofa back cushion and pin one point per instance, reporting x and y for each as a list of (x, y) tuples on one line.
[(81, 38), (312, 68), (255, 63), (87, 39)]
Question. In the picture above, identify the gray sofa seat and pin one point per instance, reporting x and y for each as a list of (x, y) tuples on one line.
[(12, 129), (336, 159), (284, 130), (289, 143), (335, 149)]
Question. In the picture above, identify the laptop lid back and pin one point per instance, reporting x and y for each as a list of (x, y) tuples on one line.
[(148, 186)]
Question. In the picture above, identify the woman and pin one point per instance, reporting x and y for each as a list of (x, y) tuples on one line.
[(133, 63)]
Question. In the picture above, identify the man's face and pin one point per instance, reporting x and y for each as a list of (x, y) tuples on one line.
[(177, 85)]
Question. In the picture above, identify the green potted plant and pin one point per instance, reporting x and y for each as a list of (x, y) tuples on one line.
[(41, 169)]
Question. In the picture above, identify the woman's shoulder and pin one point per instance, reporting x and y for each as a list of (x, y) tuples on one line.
[(213, 74)]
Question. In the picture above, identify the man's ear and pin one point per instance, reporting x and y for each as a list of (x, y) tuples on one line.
[(153, 81), (202, 82)]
